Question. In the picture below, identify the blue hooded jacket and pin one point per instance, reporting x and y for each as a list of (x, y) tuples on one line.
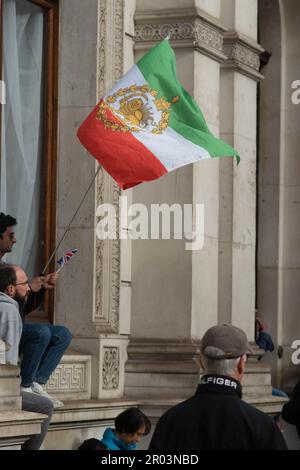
[(110, 441)]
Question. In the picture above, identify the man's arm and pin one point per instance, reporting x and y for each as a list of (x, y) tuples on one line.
[(10, 332), (38, 286)]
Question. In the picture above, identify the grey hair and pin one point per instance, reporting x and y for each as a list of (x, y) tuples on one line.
[(213, 365)]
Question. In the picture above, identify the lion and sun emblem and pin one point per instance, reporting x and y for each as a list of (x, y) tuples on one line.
[(138, 109)]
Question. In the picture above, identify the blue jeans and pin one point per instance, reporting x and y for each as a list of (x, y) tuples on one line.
[(42, 347)]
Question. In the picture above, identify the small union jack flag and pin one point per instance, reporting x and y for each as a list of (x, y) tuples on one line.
[(66, 258)]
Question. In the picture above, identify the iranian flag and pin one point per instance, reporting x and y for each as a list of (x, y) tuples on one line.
[(148, 125)]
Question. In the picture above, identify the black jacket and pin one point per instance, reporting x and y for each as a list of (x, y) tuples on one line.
[(216, 418)]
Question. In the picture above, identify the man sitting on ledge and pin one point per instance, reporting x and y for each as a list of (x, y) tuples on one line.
[(41, 345), (14, 288)]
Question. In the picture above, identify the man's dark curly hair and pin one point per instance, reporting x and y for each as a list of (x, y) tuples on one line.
[(6, 221)]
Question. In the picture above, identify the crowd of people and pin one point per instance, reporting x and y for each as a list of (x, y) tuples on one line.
[(216, 417)]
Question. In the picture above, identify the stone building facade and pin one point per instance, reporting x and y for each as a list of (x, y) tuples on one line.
[(137, 309)]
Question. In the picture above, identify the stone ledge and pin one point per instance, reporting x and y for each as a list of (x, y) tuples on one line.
[(80, 420), (243, 55), (195, 29), (81, 411), (161, 16), (93, 412), (17, 426), (187, 28)]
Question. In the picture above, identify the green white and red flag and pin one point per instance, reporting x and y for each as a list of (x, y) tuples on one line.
[(148, 125)]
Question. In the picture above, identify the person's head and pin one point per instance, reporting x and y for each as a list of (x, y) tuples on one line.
[(224, 350), (131, 425), (14, 282), (7, 235), (91, 444)]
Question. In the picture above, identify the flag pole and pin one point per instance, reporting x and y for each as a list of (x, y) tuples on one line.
[(71, 221)]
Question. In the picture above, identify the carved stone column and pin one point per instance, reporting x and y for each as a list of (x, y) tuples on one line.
[(100, 335), (184, 293), (112, 353), (174, 291), (238, 111)]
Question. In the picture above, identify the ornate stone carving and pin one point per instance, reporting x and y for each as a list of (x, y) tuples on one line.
[(157, 32), (200, 33), (107, 262), (102, 48), (67, 378), (242, 55), (110, 43), (119, 39), (206, 35), (110, 368)]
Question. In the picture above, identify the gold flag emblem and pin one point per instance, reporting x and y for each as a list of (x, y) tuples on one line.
[(138, 110)]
